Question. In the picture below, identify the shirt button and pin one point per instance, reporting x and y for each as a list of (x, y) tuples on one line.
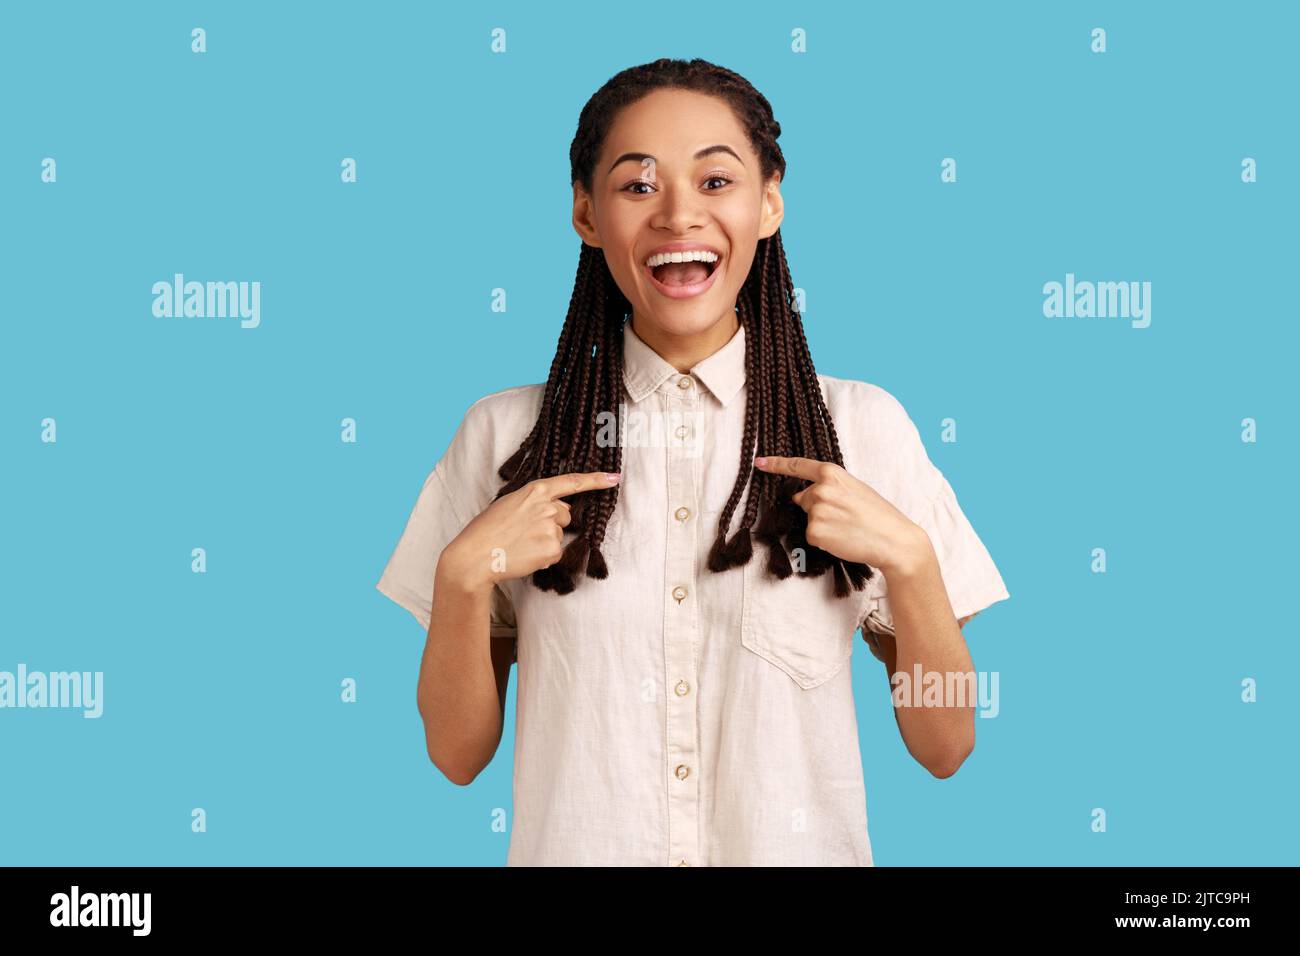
[(683, 771), (682, 431), (682, 688), (679, 593), (684, 382), (682, 513)]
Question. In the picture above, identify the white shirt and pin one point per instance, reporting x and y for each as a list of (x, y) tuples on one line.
[(714, 730)]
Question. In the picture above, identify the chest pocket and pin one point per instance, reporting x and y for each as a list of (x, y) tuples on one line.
[(797, 623)]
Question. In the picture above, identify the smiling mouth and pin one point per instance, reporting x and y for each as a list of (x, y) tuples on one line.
[(664, 272), (681, 280)]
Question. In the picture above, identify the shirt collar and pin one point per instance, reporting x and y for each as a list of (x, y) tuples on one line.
[(644, 370)]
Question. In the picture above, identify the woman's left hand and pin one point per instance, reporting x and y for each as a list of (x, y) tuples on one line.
[(849, 518)]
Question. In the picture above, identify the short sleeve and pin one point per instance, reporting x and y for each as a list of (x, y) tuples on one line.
[(439, 516), (918, 489)]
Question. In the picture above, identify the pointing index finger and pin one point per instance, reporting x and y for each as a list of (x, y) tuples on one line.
[(805, 468), (561, 486)]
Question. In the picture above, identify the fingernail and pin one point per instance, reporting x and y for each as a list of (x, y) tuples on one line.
[(613, 475), (761, 460)]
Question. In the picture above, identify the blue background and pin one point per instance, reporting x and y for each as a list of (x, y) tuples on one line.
[(1118, 690)]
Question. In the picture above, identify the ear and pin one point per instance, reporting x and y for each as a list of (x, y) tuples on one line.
[(773, 210), (584, 217)]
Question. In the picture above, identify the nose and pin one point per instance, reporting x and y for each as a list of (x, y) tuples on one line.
[(679, 208)]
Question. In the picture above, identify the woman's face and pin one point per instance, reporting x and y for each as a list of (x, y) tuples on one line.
[(677, 168)]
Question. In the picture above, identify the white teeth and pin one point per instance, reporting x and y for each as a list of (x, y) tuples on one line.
[(695, 255)]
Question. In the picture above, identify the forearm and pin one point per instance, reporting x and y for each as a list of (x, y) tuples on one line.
[(929, 642), (457, 693)]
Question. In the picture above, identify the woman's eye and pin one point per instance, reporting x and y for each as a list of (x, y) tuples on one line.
[(722, 179)]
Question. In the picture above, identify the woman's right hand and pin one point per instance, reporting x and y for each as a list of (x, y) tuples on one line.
[(518, 533)]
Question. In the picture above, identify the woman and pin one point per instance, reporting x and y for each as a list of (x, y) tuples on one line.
[(683, 696)]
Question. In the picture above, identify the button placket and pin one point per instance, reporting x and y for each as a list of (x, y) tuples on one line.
[(681, 617)]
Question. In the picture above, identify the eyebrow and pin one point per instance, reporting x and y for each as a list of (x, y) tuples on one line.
[(706, 151)]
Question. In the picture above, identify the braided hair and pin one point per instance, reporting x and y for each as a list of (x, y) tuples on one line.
[(785, 413)]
